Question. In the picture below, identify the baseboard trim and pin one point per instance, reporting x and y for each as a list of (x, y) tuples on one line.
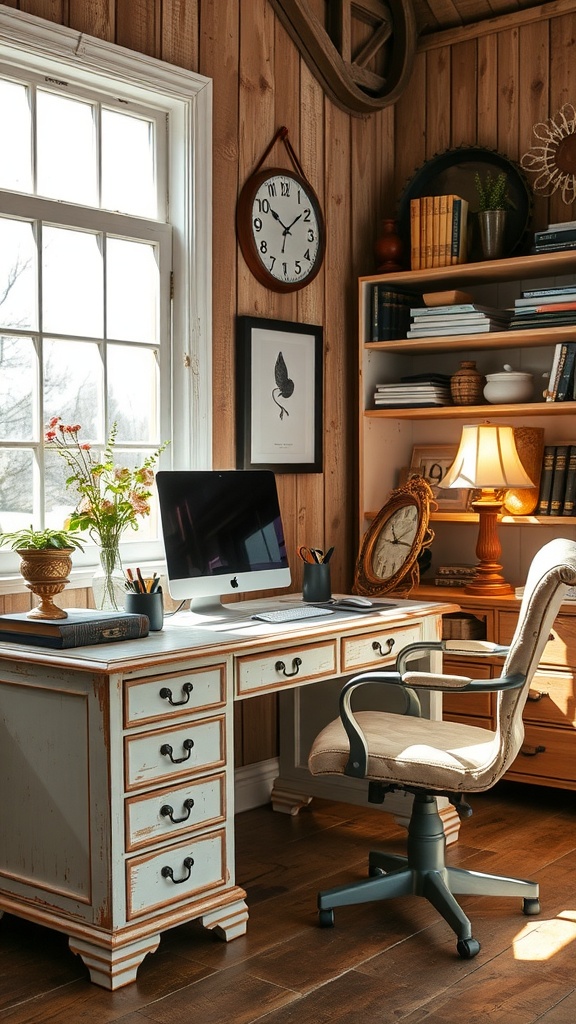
[(253, 784)]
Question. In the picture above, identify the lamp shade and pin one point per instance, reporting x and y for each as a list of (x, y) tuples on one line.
[(487, 457)]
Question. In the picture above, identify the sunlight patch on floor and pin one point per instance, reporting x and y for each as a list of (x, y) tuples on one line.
[(542, 940)]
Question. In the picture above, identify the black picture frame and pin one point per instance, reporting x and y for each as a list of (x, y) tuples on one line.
[(279, 395)]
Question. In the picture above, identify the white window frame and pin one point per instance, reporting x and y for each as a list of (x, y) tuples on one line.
[(27, 42)]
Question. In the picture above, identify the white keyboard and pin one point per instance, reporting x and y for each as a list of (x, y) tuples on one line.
[(305, 611)]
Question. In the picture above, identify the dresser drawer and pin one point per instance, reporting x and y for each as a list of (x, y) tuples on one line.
[(380, 648), (168, 813), (291, 665), (560, 649), (551, 700), (555, 763), (459, 706), (174, 874), (196, 746), (168, 696)]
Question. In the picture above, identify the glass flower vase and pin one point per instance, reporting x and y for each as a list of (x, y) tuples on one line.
[(108, 581)]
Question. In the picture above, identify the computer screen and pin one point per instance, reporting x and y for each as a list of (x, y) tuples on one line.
[(222, 533)]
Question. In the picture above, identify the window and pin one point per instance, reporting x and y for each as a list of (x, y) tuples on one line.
[(104, 262)]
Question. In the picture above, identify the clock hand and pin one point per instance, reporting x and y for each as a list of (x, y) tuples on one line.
[(287, 230), (276, 217)]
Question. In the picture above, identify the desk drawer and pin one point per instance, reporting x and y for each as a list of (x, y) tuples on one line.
[(560, 649), (193, 804), (551, 700), (379, 648), (196, 746), (148, 889), (549, 756), (286, 666), (460, 706), (176, 694)]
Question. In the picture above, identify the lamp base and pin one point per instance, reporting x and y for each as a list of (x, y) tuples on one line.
[(489, 581)]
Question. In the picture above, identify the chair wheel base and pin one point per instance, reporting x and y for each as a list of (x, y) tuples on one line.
[(326, 918), (467, 948), (530, 907)]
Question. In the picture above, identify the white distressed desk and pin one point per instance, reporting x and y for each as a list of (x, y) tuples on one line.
[(116, 770)]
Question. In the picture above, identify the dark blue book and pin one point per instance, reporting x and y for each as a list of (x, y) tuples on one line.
[(565, 389)]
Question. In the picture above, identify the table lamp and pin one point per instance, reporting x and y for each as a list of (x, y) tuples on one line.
[(487, 460)]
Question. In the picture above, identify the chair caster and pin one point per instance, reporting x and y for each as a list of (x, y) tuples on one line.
[(467, 948), (374, 872), (530, 907), (326, 918)]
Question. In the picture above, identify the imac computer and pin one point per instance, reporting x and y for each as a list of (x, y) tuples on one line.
[(223, 535)]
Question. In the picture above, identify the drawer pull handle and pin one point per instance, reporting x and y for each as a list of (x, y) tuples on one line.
[(166, 694), (168, 812), (532, 751), (167, 749), (377, 646), (167, 872), (281, 667), (535, 695)]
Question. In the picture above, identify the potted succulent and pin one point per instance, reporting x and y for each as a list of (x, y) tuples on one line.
[(492, 206), (45, 563)]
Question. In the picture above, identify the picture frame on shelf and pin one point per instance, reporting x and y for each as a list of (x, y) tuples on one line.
[(279, 395), (432, 462)]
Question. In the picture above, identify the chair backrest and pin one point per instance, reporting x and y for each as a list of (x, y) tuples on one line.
[(552, 572)]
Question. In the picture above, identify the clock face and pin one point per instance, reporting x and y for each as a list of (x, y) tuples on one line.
[(281, 230), (395, 542)]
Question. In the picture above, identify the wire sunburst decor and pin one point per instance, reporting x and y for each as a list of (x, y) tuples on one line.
[(555, 161)]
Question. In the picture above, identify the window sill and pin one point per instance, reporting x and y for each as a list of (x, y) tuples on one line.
[(80, 578)]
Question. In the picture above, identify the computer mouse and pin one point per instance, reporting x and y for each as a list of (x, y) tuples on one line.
[(354, 602)]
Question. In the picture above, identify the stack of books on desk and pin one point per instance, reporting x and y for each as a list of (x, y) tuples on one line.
[(457, 575), (556, 237), (545, 307), (423, 390), (461, 318)]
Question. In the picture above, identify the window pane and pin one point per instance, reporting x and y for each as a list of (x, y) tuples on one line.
[(72, 283), (17, 387), (133, 287), (16, 135), (17, 274), (73, 385), (133, 393), (60, 500), (66, 149), (16, 488), (128, 173)]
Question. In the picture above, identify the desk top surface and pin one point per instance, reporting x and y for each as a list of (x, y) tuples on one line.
[(235, 631)]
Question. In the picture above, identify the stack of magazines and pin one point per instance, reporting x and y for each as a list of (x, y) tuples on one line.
[(421, 390), (457, 575), (461, 318), (545, 307)]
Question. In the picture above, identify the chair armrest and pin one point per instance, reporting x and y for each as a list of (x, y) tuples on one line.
[(444, 683), (477, 647)]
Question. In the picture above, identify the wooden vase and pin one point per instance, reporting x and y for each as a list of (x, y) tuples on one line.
[(46, 573), (388, 248)]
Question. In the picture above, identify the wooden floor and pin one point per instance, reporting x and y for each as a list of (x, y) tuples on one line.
[(379, 965)]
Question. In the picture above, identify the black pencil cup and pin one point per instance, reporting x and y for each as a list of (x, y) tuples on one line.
[(151, 605), (316, 582)]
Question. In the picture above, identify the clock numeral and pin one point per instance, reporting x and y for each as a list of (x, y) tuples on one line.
[(307, 215), (307, 256), (285, 188), (285, 269), (299, 197), (297, 267), (263, 246), (271, 188), (311, 235), (272, 262), (263, 205), (257, 224)]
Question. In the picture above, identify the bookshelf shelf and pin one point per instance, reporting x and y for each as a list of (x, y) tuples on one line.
[(506, 520), (476, 342), (474, 412)]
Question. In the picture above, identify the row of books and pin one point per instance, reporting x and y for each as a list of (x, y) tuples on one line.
[(557, 495), (421, 390), (556, 237), (562, 381), (390, 311), (459, 318), (438, 231)]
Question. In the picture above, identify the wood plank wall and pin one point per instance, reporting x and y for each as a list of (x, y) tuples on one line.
[(485, 86)]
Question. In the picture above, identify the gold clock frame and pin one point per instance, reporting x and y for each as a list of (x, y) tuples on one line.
[(415, 492)]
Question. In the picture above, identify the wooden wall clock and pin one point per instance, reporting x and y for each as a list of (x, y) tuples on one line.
[(280, 225)]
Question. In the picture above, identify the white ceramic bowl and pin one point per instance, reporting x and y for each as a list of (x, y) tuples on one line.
[(508, 387)]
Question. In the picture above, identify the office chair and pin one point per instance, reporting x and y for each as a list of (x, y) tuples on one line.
[(431, 759)]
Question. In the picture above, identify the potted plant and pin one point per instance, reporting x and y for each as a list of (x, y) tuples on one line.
[(492, 206), (45, 563)]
